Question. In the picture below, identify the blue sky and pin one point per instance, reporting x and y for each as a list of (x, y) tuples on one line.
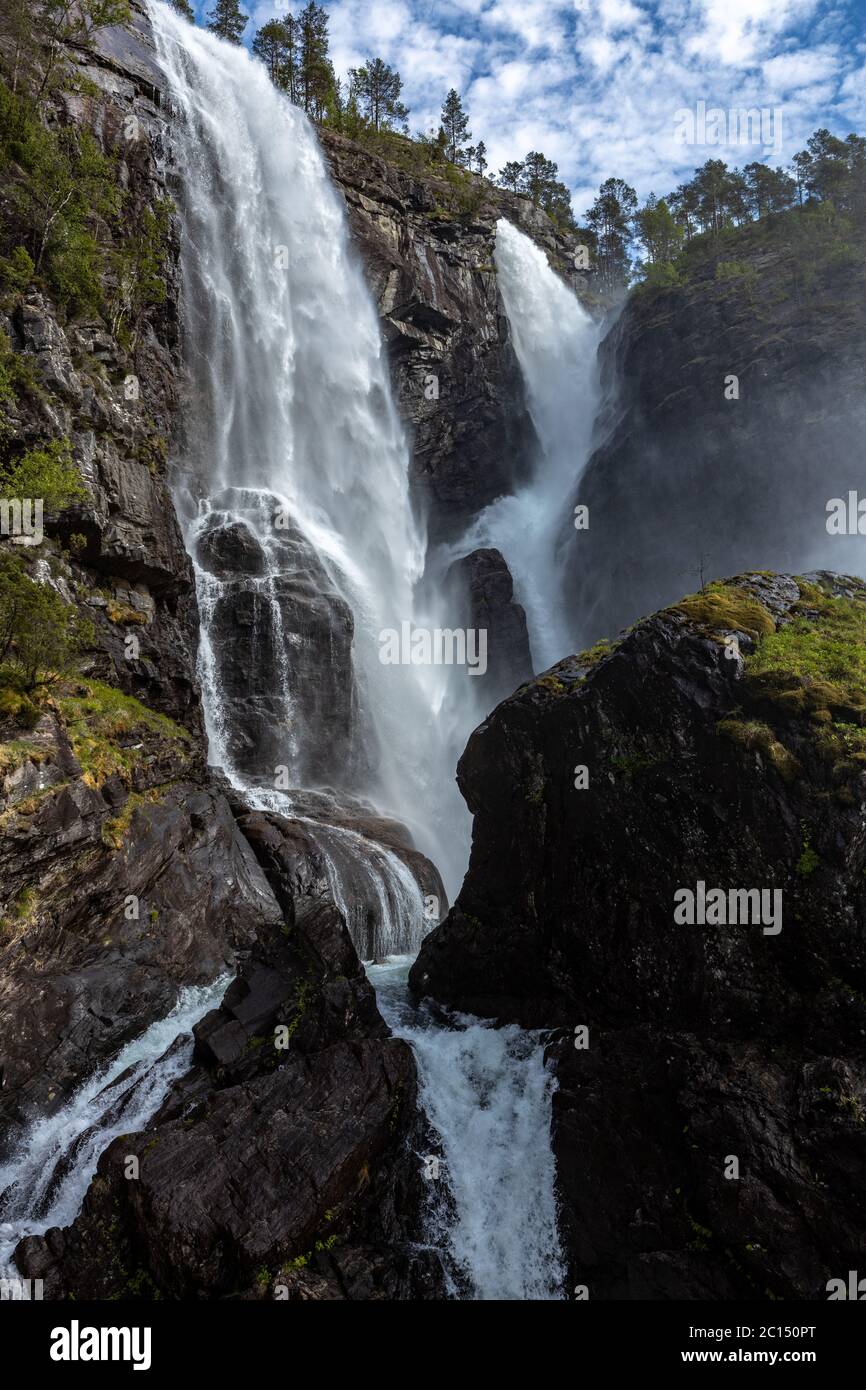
[(597, 84)]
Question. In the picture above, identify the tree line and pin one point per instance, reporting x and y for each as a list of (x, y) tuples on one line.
[(829, 170), (294, 49)]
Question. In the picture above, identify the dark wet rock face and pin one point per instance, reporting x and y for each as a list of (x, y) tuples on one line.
[(114, 934), (484, 600), (280, 1165), (689, 483), (281, 637), (429, 261), (728, 1038)]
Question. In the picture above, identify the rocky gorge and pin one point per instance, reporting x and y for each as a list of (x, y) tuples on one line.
[(284, 1150)]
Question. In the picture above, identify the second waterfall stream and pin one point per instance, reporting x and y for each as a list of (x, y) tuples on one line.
[(292, 485)]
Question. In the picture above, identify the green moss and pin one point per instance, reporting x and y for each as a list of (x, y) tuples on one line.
[(103, 726), (591, 656), (116, 828), (759, 737), (552, 683), (29, 805), (123, 614), (632, 764), (809, 860), (723, 608), (815, 665), (304, 991), (21, 912)]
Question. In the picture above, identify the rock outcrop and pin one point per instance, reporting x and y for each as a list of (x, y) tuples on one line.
[(280, 1165), (736, 403), (717, 748), (427, 247), (484, 601)]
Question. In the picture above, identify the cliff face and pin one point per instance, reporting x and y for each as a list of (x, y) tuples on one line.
[(721, 744), (696, 475), (127, 873), (279, 1166), (427, 249), (124, 874)]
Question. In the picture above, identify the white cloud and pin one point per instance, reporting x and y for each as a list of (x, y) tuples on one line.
[(595, 84)]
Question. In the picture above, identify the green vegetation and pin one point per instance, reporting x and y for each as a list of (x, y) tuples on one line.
[(103, 726), (17, 379), (814, 214), (65, 206), (20, 912), (40, 635), (812, 667), (139, 268), (226, 21), (809, 860), (48, 473), (123, 614), (723, 608), (815, 664), (759, 737), (366, 107), (631, 765), (593, 655), (115, 829)]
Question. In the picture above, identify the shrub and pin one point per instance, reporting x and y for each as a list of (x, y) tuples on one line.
[(48, 472), (40, 635), (17, 271)]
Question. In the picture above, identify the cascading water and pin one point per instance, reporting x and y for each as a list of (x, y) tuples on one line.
[(487, 1095), (556, 343), (291, 417), (44, 1182), (293, 475), (293, 492)]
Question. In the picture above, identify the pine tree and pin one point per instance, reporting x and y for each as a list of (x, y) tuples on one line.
[(377, 87), (274, 45), (511, 175), (610, 217), (455, 124), (226, 20), (480, 157), (184, 8), (315, 72), (657, 228), (539, 173)]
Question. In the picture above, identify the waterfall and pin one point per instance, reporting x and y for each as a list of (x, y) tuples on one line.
[(44, 1182), (556, 343), (487, 1095), (292, 478)]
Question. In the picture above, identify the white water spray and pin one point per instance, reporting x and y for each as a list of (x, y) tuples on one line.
[(291, 424), (556, 343), (44, 1182), (487, 1095)]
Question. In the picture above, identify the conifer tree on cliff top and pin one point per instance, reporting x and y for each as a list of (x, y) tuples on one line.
[(226, 20)]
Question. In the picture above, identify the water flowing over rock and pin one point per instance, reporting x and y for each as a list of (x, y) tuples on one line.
[(263, 1155), (555, 340), (679, 759), (279, 638), (434, 276), (292, 434)]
